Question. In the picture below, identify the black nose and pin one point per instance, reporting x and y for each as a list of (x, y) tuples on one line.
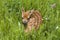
[(24, 22)]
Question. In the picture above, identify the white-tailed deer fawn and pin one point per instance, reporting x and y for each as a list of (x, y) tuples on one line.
[(31, 18)]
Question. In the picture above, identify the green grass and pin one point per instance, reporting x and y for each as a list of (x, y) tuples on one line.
[(11, 27)]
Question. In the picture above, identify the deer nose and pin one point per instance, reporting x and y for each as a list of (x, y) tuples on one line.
[(24, 22)]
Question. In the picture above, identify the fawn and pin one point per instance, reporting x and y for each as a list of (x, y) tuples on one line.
[(31, 18)]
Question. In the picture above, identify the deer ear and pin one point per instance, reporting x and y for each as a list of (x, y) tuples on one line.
[(23, 10), (31, 11)]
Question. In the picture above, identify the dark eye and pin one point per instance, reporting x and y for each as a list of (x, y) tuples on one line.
[(28, 18)]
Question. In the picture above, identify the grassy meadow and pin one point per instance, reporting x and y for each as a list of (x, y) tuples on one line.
[(11, 27)]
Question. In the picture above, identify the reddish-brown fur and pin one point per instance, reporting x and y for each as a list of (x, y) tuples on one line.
[(34, 21)]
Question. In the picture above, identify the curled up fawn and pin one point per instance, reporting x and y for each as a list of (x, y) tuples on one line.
[(31, 18)]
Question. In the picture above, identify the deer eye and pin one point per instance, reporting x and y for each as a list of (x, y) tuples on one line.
[(29, 18)]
